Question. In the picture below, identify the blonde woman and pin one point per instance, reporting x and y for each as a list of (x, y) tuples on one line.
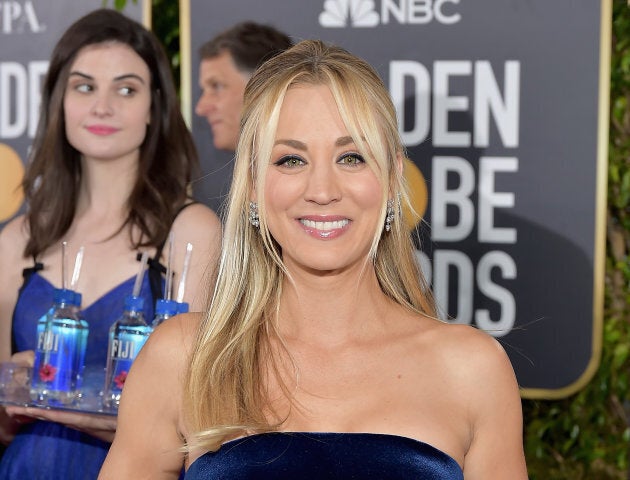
[(320, 355)]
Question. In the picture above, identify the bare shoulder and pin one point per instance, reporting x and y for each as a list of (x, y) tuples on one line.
[(197, 216), (200, 227), (173, 338), (469, 342), (470, 357), (13, 237)]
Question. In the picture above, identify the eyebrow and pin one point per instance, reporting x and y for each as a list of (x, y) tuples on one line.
[(125, 76), (340, 142)]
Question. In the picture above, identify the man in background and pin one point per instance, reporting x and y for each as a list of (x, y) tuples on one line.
[(227, 62)]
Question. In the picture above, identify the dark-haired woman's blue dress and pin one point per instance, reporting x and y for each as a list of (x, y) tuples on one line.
[(46, 450), (325, 456)]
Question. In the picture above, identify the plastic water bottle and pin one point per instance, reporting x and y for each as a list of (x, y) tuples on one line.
[(127, 336), (164, 309), (61, 345)]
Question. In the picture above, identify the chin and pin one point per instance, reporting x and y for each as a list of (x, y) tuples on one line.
[(223, 144)]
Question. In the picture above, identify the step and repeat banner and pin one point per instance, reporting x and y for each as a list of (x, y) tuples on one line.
[(503, 106), (29, 30)]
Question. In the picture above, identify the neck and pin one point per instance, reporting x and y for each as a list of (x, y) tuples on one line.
[(334, 308), (106, 186)]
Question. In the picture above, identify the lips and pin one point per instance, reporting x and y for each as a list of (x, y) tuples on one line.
[(102, 130)]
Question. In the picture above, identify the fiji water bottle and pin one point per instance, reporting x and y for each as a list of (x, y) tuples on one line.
[(60, 346), (164, 309), (126, 337)]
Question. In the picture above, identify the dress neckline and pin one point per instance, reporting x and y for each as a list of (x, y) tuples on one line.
[(322, 436), (110, 292)]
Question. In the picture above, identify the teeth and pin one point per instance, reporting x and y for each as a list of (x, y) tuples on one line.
[(325, 225)]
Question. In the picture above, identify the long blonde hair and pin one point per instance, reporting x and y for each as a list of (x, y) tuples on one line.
[(224, 392)]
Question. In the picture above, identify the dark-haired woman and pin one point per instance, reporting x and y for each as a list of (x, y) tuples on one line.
[(110, 171)]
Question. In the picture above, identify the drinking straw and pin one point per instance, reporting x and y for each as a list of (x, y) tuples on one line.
[(169, 271), (77, 269), (143, 265), (182, 280), (64, 244)]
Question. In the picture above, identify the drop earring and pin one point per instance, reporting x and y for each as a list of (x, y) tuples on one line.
[(389, 215), (253, 214)]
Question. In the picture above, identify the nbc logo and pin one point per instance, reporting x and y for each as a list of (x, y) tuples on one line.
[(364, 13)]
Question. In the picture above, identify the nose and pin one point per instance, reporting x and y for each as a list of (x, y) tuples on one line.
[(323, 184), (102, 105), (204, 104)]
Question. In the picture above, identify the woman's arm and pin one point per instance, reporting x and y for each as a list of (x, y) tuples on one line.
[(496, 449), (148, 440), (12, 241)]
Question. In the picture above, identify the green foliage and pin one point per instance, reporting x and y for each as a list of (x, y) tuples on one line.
[(166, 28), (587, 436)]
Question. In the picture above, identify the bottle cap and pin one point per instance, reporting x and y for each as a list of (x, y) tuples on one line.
[(78, 298), (166, 307), (63, 295), (134, 303), (182, 307)]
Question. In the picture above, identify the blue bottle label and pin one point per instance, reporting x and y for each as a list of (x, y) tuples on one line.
[(55, 358), (123, 350)]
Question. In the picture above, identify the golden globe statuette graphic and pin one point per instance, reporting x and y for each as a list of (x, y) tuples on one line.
[(418, 194), (11, 195)]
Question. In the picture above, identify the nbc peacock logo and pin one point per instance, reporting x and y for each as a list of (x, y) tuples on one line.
[(356, 13), (366, 13)]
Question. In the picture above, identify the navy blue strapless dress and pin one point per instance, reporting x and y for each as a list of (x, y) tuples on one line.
[(46, 450), (325, 456)]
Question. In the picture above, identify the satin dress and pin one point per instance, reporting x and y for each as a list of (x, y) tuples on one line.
[(325, 456)]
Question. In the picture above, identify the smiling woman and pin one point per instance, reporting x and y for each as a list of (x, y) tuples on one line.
[(319, 355), (318, 187)]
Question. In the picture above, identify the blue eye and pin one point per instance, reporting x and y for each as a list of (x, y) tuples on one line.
[(352, 159), (290, 161)]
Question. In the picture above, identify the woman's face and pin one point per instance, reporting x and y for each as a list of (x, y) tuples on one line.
[(107, 102), (322, 199)]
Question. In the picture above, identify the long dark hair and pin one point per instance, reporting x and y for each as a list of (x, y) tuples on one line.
[(167, 154)]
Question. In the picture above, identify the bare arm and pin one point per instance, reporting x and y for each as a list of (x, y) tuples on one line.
[(12, 241), (496, 449), (148, 441)]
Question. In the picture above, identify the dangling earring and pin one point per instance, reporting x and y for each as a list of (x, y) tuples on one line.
[(253, 214), (389, 215)]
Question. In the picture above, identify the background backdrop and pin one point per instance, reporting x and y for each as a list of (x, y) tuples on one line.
[(503, 108)]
